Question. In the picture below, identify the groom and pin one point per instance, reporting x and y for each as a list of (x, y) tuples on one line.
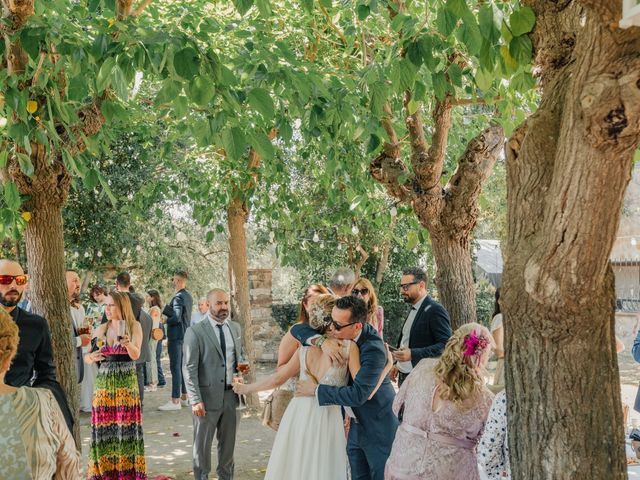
[(373, 424)]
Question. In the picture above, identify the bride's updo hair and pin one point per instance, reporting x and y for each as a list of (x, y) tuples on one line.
[(8, 337), (320, 312), (460, 368)]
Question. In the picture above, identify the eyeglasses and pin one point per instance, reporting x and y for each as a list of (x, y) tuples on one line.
[(339, 327), (359, 291), (405, 286), (8, 279)]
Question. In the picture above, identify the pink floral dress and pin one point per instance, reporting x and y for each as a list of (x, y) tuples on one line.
[(437, 445)]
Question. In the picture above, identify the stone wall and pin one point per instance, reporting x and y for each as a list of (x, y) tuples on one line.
[(266, 332)]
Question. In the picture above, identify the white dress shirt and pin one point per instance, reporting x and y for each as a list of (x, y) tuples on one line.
[(406, 367), (77, 316), (230, 354)]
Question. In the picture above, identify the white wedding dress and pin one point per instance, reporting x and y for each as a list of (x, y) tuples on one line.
[(310, 443)]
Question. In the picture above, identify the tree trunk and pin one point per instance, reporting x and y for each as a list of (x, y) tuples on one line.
[(86, 280), (568, 166), (48, 290), (454, 278), (237, 218)]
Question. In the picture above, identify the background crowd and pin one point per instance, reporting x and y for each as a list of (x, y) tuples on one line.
[(444, 420)]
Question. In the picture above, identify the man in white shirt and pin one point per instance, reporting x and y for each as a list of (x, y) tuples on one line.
[(201, 312), (425, 331), (77, 317)]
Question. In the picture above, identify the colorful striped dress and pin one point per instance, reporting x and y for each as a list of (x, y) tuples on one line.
[(117, 444)]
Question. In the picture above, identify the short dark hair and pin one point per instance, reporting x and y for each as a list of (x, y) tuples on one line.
[(123, 279), (95, 290), (419, 275), (356, 306), (182, 274)]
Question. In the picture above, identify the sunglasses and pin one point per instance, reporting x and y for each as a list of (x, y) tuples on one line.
[(339, 327), (405, 286), (8, 279), (359, 291)]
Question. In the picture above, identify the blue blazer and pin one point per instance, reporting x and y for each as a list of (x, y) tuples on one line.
[(375, 416), (178, 313)]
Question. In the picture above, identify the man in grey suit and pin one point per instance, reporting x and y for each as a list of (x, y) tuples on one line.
[(212, 349)]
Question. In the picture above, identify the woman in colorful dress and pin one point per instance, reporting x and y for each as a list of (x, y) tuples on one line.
[(117, 444)]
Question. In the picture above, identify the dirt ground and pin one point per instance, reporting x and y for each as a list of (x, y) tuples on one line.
[(169, 435)]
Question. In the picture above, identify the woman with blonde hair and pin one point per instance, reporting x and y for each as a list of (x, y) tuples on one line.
[(117, 444), (307, 427), (35, 441), (363, 288), (443, 406)]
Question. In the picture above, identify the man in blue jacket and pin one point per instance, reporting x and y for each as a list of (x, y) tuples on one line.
[(373, 424), (178, 313)]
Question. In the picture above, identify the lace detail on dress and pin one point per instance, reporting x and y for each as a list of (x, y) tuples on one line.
[(335, 376)]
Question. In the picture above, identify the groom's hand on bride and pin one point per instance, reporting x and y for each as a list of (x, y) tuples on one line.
[(333, 348), (306, 388), (198, 409)]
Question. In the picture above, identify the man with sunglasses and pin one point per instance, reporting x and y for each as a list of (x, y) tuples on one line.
[(373, 424), (33, 364), (426, 329)]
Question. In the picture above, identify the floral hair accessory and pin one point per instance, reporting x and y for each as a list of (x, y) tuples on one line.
[(474, 345), (318, 319)]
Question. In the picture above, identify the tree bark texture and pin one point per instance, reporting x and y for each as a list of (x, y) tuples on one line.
[(237, 215), (568, 167), (450, 212)]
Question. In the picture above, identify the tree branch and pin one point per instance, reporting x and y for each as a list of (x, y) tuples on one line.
[(140, 8), (333, 26), (464, 187), (364, 255)]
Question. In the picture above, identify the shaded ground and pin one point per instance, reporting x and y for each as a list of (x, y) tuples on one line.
[(169, 435)]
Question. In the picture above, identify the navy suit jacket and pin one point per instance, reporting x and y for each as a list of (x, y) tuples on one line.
[(430, 331), (375, 416), (33, 365), (178, 313), (635, 351)]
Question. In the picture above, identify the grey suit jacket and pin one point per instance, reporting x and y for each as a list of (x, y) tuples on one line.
[(203, 367)]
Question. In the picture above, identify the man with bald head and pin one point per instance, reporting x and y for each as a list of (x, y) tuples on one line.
[(212, 350), (33, 365)]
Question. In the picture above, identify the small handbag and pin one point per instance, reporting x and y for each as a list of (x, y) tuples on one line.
[(157, 334), (275, 406)]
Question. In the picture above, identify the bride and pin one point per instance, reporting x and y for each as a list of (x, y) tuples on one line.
[(310, 443)]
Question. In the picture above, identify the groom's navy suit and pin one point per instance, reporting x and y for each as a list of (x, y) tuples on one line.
[(374, 427)]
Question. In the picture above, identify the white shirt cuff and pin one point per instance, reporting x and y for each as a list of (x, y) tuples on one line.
[(310, 339), (78, 341)]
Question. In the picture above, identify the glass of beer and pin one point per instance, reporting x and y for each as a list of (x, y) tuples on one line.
[(243, 367)]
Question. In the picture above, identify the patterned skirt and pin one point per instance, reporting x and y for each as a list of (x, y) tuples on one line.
[(117, 444)]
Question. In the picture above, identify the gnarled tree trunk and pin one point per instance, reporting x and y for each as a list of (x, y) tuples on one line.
[(567, 169)]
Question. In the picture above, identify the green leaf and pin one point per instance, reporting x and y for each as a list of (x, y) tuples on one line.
[(378, 96), (458, 7), (186, 63), (326, 3), (3, 158), (170, 90), (412, 106), (234, 142), (243, 6), (484, 79), (119, 83), (487, 23), (261, 143), (522, 21), (307, 5), (403, 75), (201, 90), (439, 85), (412, 240), (104, 74), (446, 21), (521, 49), (363, 11), (373, 144), (414, 53), (260, 100), (25, 164), (91, 179), (469, 34), (455, 74), (105, 187), (12, 196), (264, 7), (523, 81), (285, 131)]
